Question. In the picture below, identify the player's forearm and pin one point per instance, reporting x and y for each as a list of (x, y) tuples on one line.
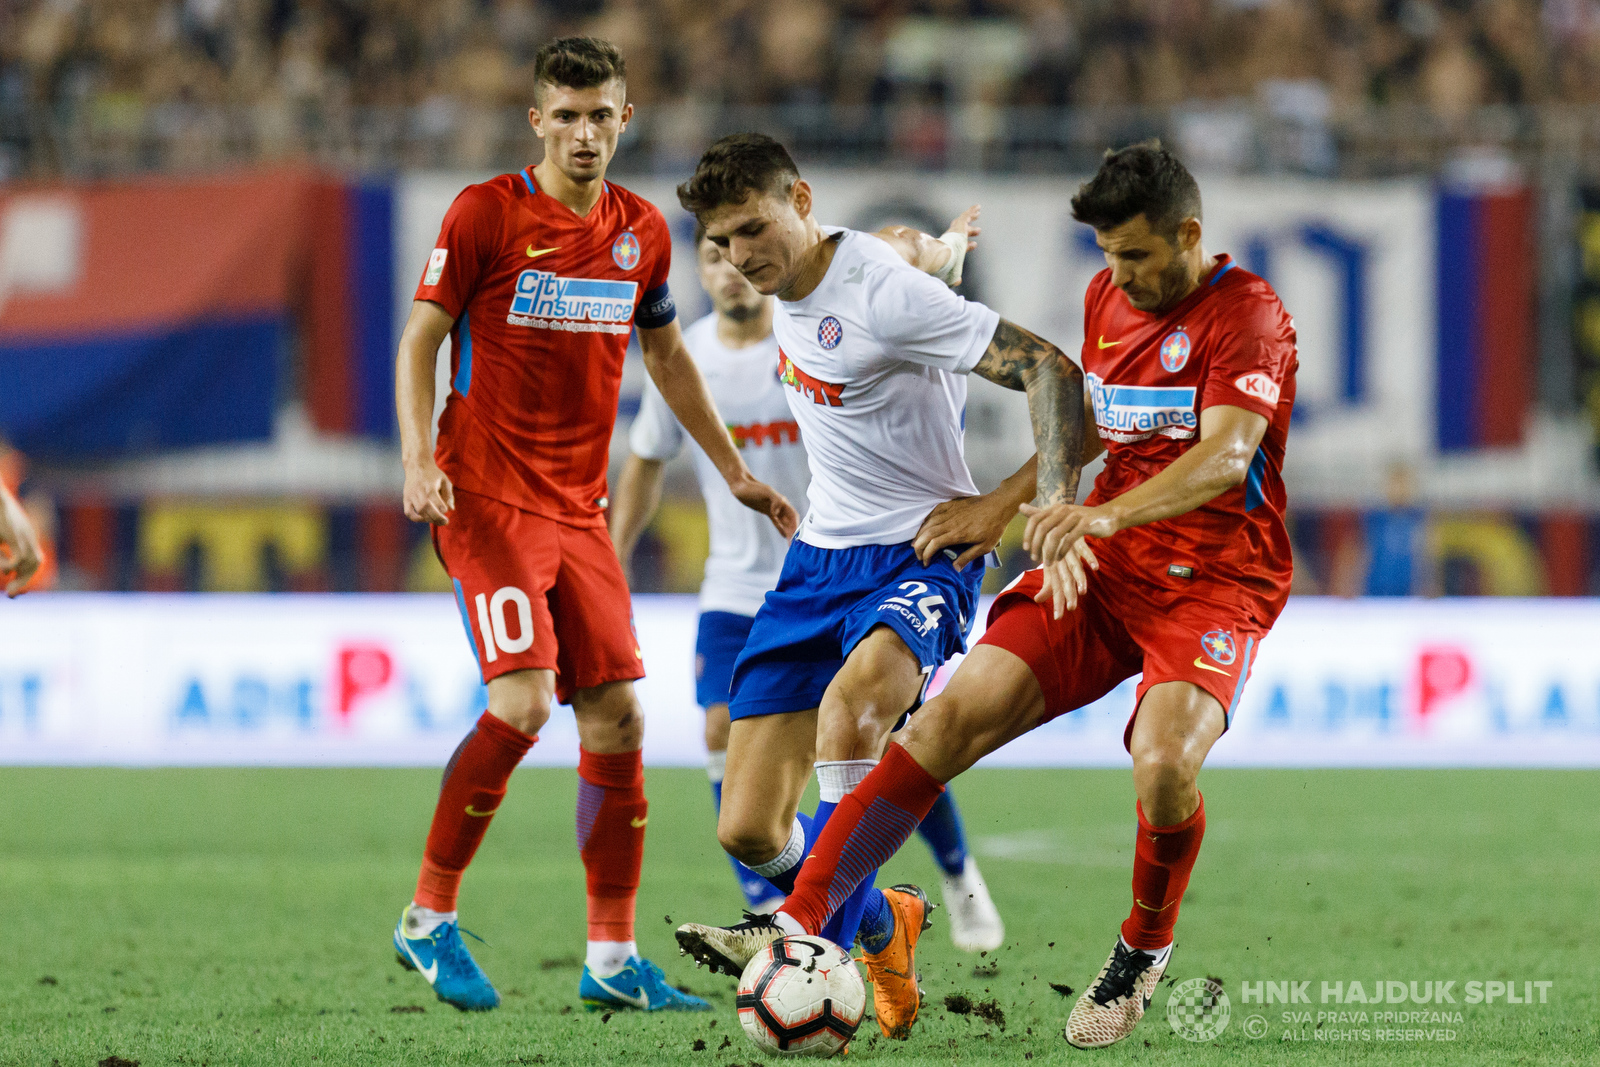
[(1022, 486), (413, 397), (634, 502), (685, 392), (1055, 404), (1205, 472)]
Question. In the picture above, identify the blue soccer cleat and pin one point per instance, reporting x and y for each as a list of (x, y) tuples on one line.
[(442, 958), (640, 984)]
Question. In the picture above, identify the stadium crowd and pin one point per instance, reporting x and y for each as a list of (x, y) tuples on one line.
[(452, 68)]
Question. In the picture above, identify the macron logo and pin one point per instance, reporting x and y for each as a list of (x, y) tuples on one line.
[(1259, 386)]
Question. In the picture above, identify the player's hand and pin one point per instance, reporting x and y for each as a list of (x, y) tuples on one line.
[(976, 521), (1053, 530), (759, 496), (967, 223), (22, 557), (429, 496), (1066, 581)]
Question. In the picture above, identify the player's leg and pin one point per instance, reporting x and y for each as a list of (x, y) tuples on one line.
[(975, 924), (1026, 669), (1174, 727), (992, 698), (499, 560), (720, 637), (598, 660), (1193, 676)]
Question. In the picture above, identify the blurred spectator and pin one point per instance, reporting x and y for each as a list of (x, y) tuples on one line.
[(1397, 539), (195, 81)]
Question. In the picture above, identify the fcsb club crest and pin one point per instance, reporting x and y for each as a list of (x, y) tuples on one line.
[(625, 251), (1219, 646), (829, 333), (1175, 351)]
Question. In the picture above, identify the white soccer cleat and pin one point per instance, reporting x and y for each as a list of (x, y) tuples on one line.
[(975, 924), (728, 949), (1115, 1001)]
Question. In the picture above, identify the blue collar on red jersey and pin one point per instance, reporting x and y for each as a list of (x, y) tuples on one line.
[(1225, 268)]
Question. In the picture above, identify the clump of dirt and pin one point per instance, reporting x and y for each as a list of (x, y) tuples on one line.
[(408, 1009), (989, 1011), (1064, 990), (958, 1004)]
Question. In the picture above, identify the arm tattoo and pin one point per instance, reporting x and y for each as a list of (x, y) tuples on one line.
[(1023, 361)]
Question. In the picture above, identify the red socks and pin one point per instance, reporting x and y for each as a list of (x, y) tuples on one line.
[(1163, 856), (474, 784), (870, 824), (612, 813)]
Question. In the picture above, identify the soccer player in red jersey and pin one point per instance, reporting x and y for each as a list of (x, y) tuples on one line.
[(538, 278), (1190, 364)]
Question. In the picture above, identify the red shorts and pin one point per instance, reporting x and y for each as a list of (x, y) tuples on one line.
[(536, 593), (1119, 629)]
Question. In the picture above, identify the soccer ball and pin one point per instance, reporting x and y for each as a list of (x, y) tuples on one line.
[(801, 996)]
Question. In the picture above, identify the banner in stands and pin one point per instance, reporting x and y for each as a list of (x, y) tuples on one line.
[(390, 680), (157, 313)]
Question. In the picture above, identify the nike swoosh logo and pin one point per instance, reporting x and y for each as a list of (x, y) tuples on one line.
[(638, 824), (535, 254), (638, 1002), (1147, 907), (1102, 342), (854, 277), (475, 813), (429, 972), (1203, 665)]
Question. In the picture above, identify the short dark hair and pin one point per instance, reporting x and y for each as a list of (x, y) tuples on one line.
[(733, 168), (578, 63), (1142, 179)]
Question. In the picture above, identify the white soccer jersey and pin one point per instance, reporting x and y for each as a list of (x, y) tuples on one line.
[(746, 549), (875, 360)]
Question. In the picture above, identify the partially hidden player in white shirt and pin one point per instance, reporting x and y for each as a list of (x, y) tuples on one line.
[(738, 356), (875, 355)]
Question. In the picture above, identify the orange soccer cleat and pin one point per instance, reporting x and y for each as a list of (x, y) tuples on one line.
[(893, 972)]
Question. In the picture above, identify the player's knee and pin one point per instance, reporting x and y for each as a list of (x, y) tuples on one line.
[(1162, 772), (521, 703), (749, 842)]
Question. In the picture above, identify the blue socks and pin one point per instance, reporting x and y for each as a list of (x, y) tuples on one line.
[(941, 829), (877, 923)]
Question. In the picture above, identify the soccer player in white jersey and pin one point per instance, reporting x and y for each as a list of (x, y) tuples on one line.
[(738, 356), (875, 354)]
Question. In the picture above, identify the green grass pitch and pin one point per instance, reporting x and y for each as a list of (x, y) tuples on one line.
[(233, 917)]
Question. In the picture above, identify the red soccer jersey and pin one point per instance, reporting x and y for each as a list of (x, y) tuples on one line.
[(1150, 376), (544, 302)]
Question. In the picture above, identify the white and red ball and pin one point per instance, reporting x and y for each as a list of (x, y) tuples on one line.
[(801, 996)]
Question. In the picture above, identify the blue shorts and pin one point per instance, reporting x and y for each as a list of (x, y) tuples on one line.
[(827, 600), (721, 638)]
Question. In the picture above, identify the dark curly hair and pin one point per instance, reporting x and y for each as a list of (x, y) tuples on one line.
[(1142, 179), (733, 168)]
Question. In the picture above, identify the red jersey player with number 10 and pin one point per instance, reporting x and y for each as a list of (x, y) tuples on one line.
[(1190, 364), (539, 278)]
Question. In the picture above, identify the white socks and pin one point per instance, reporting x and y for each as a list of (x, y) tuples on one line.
[(793, 852), (1159, 953), (835, 778), (716, 766), (606, 958), (789, 926), (420, 921)]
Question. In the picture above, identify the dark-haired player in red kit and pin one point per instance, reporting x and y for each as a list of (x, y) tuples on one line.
[(538, 278), (1190, 365)]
